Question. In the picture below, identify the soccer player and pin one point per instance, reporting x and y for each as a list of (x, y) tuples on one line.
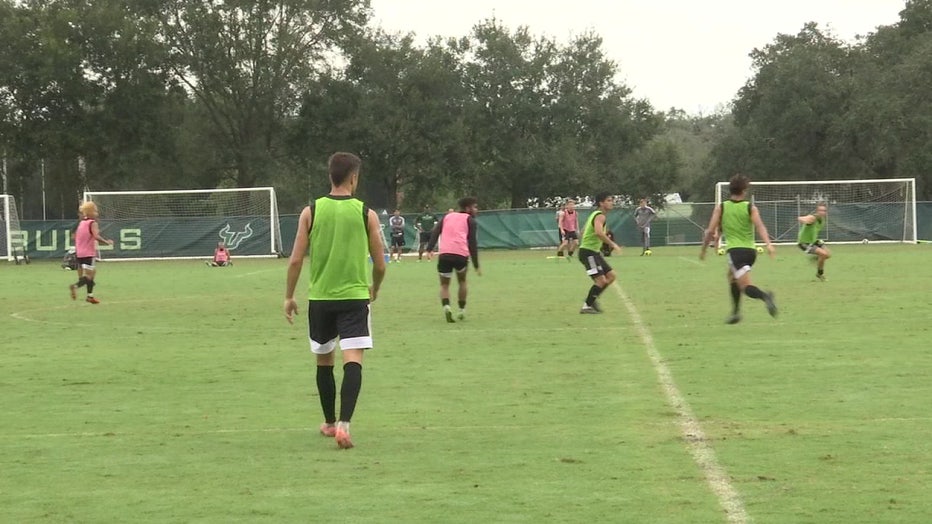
[(594, 236), (396, 224), (424, 225), (86, 237), (643, 216), (456, 234), (340, 232), (809, 241), (562, 241), (569, 228), (736, 218), (222, 256)]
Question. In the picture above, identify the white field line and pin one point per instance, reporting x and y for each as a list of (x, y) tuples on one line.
[(690, 260), (695, 438)]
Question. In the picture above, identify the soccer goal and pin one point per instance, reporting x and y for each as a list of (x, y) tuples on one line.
[(147, 225), (879, 210), (11, 238)]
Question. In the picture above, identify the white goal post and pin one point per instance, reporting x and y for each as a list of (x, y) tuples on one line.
[(876, 210), (11, 237), (147, 225)]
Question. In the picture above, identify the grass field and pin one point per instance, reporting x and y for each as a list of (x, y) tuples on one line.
[(185, 396)]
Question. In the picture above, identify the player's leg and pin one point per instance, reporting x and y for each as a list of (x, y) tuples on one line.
[(421, 245), (322, 334), (355, 338), (90, 271), (602, 276), (572, 245), (823, 254), (462, 290), (445, 272), (646, 238), (562, 245), (741, 261)]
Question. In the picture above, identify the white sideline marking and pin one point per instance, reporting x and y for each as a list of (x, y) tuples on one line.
[(691, 260), (695, 438)]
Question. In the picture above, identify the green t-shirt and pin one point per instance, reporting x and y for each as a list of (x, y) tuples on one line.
[(339, 249), (809, 233), (736, 224), (426, 222), (590, 240)]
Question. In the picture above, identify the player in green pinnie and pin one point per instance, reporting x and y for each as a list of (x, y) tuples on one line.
[(810, 227)]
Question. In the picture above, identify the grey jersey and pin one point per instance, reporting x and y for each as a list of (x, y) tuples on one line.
[(397, 223), (644, 215)]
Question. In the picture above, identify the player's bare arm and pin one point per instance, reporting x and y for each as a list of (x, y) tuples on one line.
[(807, 219), (599, 224), (711, 232), (377, 252), (95, 231), (762, 230), (296, 261)]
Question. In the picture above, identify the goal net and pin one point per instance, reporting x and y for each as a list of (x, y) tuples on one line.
[(11, 235), (880, 210), (188, 223)]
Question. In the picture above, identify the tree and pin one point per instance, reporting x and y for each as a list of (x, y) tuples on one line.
[(247, 62)]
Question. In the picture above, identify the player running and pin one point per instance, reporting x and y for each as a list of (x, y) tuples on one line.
[(809, 242), (736, 218), (456, 234)]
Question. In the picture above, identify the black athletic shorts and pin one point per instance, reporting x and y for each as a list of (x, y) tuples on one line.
[(86, 262), (398, 239), (571, 235), (810, 248), (741, 259), (594, 263), (424, 237), (348, 320), (447, 263)]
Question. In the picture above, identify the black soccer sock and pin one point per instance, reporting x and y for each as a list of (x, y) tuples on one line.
[(735, 296), (327, 389), (445, 302), (754, 292), (81, 282), (349, 391), (559, 253), (462, 304), (90, 286), (571, 253), (594, 293), (820, 272)]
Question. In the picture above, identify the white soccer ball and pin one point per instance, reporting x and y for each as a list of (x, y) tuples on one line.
[(865, 241)]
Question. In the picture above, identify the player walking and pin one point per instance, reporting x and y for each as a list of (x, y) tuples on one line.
[(457, 237), (643, 216), (86, 237), (569, 228), (737, 218), (340, 232)]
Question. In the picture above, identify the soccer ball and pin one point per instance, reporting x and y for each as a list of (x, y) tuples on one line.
[(760, 249), (648, 253), (865, 241), (721, 251)]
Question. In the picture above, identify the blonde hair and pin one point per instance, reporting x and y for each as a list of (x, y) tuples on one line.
[(88, 209)]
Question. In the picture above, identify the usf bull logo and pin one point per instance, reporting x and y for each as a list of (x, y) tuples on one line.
[(234, 238)]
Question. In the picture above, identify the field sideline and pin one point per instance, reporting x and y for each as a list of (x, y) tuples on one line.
[(186, 397)]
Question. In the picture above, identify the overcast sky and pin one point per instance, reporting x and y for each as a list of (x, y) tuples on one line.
[(689, 54)]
